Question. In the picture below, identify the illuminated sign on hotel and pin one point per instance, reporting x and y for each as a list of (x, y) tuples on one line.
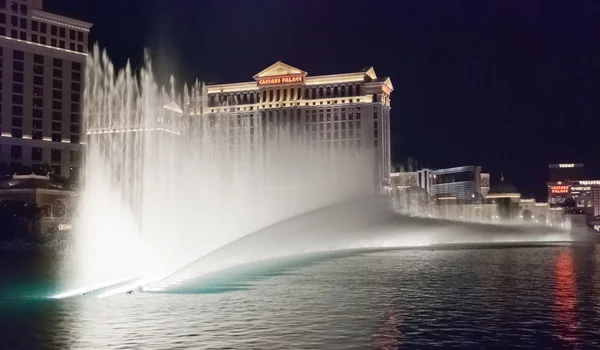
[(566, 165), (589, 183), (286, 79), (580, 188), (560, 189)]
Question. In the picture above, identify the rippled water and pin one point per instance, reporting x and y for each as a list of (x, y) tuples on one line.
[(536, 297)]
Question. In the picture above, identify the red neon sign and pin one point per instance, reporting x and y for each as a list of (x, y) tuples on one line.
[(286, 79), (560, 189)]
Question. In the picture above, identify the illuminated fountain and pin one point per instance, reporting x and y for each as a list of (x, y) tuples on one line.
[(164, 188), (171, 195)]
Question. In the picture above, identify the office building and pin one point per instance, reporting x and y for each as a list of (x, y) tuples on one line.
[(350, 110), (43, 58), (565, 172), (460, 183)]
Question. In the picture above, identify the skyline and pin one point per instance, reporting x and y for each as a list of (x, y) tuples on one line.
[(507, 86)]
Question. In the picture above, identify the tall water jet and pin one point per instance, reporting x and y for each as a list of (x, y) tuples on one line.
[(165, 187)]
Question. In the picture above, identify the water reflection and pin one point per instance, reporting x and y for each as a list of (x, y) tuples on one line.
[(390, 334), (565, 297)]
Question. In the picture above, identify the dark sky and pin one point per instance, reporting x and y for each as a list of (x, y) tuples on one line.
[(511, 85)]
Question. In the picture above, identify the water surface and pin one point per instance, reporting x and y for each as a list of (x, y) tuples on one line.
[(544, 297)]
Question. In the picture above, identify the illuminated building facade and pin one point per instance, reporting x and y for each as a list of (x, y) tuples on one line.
[(42, 59), (567, 189), (350, 110), (460, 183)]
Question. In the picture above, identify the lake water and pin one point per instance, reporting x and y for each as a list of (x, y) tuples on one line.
[(542, 297)]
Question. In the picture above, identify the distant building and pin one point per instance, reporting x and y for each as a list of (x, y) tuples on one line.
[(485, 183), (565, 172), (42, 59), (460, 183), (349, 110)]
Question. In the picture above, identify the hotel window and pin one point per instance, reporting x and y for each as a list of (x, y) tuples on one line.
[(36, 153), (23, 35), (299, 94), (38, 59), (80, 36), (350, 91), (72, 35), (321, 92), (23, 9), (16, 152), (56, 137), (18, 122), (357, 113), (34, 38), (53, 42), (270, 95), (57, 63), (18, 77), (38, 102), (36, 135), (17, 111), (34, 26), (18, 55), (17, 133), (57, 73), (23, 23), (38, 80), (306, 94), (38, 69), (72, 46), (18, 66), (63, 34), (74, 138), (56, 126), (56, 115), (43, 40), (37, 124), (14, 21), (2, 18), (38, 113), (2, 4), (343, 91), (357, 90), (75, 87), (43, 28), (56, 155), (54, 30), (74, 118), (76, 66), (56, 105), (14, 34), (61, 44), (38, 92), (74, 107), (328, 114), (285, 94), (314, 93), (75, 128), (75, 97), (2, 31), (17, 99), (57, 84), (80, 48), (57, 94), (278, 95)]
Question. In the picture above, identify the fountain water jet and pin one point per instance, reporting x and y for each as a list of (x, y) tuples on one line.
[(164, 187)]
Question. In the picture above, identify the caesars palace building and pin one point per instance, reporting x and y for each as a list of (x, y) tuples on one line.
[(339, 110)]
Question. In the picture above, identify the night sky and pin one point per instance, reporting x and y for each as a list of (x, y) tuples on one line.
[(511, 85)]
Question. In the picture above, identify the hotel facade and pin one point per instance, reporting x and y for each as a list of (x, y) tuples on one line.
[(350, 110), (42, 67)]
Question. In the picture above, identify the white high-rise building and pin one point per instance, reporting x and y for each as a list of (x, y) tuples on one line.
[(42, 68), (339, 110)]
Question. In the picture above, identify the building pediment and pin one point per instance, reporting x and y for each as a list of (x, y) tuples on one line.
[(279, 69)]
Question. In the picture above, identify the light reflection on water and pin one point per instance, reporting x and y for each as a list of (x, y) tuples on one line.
[(543, 297)]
